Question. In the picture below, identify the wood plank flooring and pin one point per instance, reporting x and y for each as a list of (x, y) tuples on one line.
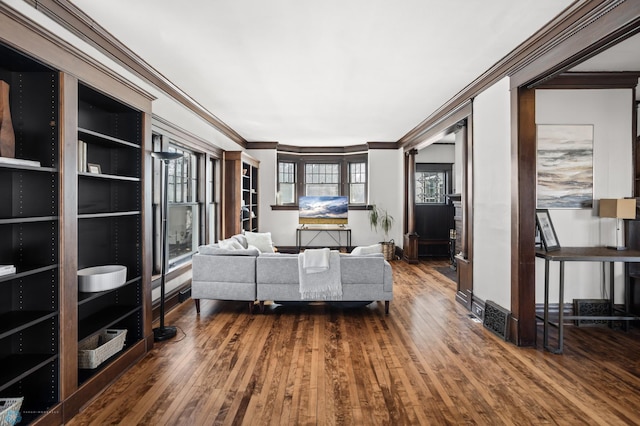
[(426, 363)]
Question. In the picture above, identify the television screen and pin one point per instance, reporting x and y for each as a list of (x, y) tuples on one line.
[(323, 210)]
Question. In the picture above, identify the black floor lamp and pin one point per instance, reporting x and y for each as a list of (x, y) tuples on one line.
[(164, 332)]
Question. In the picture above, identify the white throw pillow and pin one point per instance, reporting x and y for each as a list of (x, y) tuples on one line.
[(261, 240), (365, 250), (230, 244)]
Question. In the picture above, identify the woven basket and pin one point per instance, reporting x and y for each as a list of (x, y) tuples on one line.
[(10, 411), (389, 250), (98, 348)]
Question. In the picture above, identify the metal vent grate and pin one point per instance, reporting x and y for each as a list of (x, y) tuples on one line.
[(593, 308), (496, 319)]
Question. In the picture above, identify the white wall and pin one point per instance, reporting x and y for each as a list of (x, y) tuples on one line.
[(385, 189), (437, 153), (457, 165), (164, 106), (492, 195), (609, 112)]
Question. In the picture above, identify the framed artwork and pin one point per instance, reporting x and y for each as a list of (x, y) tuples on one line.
[(564, 166), (94, 168), (547, 231)]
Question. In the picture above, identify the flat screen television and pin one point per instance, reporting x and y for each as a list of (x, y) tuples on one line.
[(327, 210)]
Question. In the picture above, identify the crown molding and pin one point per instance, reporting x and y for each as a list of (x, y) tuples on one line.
[(80, 24), (183, 136), (567, 25), (593, 80), (22, 34)]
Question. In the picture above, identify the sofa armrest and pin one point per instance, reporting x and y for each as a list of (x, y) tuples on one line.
[(388, 277), (224, 268)]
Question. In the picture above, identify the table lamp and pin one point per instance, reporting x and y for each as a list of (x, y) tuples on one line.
[(618, 208)]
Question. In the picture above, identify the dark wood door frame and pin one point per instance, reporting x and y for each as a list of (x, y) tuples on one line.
[(606, 27), (458, 120)]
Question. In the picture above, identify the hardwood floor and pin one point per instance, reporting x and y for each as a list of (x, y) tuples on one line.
[(426, 363)]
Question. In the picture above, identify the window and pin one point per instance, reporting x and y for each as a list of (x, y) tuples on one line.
[(300, 175), (322, 179), (357, 183), (182, 217), (286, 183), (432, 183)]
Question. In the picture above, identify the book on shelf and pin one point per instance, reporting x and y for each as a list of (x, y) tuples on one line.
[(7, 269), (19, 162), (82, 156)]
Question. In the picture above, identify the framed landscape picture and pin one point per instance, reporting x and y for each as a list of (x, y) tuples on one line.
[(564, 166)]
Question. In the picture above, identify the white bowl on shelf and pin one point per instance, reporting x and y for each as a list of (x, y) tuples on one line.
[(101, 278)]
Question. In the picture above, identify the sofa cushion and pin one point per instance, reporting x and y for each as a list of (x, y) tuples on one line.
[(230, 244), (260, 240), (216, 250), (364, 250), (362, 269), (241, 239)]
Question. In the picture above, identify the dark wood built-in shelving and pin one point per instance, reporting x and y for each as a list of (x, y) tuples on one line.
[(57, 218), (29, 237), (241, 193)]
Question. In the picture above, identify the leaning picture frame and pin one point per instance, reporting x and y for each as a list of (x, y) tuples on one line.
[(547, 231), (94, 168)]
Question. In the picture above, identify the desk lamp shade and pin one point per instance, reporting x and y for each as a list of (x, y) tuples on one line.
[(618, 208)]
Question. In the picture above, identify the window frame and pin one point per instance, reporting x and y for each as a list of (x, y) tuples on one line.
[(446, 168), (343, 160), (191, 186)]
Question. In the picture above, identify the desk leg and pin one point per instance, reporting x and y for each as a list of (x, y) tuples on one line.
[(561, 311), (611, 287), (545, 340)]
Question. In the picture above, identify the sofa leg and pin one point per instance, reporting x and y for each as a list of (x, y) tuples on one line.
[(262, 306), (386, 307), (197, 305), (251, 307)]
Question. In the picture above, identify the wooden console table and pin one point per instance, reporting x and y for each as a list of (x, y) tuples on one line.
[(321, 229), (584, 254)]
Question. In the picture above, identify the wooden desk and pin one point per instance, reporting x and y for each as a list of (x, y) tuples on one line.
[(584, 254)]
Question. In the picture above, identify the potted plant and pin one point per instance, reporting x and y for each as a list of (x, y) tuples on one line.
[(381, 218)]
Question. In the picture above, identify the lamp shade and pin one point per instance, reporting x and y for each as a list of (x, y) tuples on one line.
[(619, 208)]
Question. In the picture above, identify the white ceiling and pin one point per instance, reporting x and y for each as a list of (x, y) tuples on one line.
[(322, 72)]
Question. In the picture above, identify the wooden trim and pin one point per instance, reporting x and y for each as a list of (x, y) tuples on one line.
[(321, 149), (95, 385), (68, 244), (635, 146), (445, 124), (593, 80), (77, 22), (605, 24), (352, 149), (261, 145), (147, 224), (383, 145), (568, 22), (53, 416), (523, 177), (171, 300), (179, 134), (22, 34)]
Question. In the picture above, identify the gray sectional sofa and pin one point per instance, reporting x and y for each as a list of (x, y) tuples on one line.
[(248, 275)]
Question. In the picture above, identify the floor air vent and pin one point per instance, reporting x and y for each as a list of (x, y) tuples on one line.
[(591, 308), (496, 319)]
